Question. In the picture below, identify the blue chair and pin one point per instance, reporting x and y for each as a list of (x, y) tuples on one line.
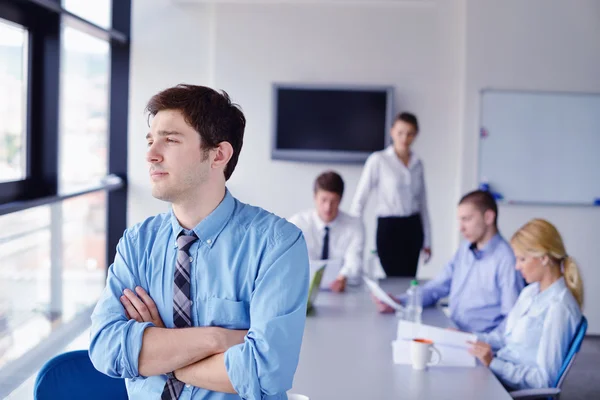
[(72, 376), (554, 392)]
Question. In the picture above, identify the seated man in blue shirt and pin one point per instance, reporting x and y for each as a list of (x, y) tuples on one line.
[(207, 301), (480, 280)]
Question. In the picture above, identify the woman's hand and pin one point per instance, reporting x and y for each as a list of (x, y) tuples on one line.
[(482, 351), (427, 253)]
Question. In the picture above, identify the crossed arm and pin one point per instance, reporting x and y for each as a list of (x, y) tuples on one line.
[(195, 355), (256, 365)]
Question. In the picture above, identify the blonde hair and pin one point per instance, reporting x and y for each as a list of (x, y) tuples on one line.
[(540, 237)]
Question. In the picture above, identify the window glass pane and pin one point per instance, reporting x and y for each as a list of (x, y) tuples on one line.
[(84, 252), (24, 280), (13, 101), (29, 312), (83, 108), (98, 12)]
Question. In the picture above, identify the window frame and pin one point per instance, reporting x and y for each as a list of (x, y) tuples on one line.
[(43, 20)]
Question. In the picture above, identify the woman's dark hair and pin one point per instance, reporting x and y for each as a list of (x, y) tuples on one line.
[(409, 118)]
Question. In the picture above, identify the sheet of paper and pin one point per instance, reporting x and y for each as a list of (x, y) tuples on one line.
[(378, 292), (451, 344), (332, 270)]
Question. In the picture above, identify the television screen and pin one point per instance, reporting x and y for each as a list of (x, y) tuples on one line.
[(330, 124)]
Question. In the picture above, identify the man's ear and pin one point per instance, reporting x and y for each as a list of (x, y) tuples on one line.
[(489, 216), (223, 153)]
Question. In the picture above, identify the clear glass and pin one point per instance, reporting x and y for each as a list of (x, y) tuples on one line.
[(84, 109), (27, 314), (98, 12), (13, 101), (84, 252), (24, 280)]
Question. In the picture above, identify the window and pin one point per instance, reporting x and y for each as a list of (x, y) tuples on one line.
[(24, 279), (95, 11), (64, 90), (84, 105), (13, 101), (83, 252), (41, 285)]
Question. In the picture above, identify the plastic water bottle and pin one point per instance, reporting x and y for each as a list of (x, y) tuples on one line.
[(414, 304)]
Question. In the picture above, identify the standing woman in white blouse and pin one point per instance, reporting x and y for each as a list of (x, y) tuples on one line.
[(396, 177)]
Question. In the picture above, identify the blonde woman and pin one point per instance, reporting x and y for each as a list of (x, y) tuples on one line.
[(531, 348)]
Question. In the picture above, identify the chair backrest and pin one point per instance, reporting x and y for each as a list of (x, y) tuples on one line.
[(573, 350), (72, 376)]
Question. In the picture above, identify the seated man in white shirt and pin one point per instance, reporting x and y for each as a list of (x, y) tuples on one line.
[(332, 234)]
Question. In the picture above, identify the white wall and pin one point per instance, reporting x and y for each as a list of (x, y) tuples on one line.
[(536, 45), (411, 46), (438, 54), (170, 45)]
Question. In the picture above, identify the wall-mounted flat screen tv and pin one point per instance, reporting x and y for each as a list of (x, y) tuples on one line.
[(330, 123)]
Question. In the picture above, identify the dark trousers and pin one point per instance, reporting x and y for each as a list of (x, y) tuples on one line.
[(399, 243)]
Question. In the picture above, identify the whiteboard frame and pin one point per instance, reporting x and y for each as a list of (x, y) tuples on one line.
[(479, 155)]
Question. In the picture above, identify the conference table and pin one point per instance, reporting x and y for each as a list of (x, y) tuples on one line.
[(347, 354)]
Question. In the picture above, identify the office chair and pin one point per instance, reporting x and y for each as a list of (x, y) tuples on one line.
[(72, 376), (554, 392)]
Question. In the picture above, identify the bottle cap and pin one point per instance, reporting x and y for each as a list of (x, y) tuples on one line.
[(414, 282)]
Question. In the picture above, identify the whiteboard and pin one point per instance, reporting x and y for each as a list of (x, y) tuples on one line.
[(540, 147)]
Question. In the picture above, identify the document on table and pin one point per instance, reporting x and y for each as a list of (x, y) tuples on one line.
[(451, 344), (378, 292)]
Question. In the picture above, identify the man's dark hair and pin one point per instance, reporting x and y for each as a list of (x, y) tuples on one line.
[(483, 201), (210, 113), (409, 118), (330, 181)]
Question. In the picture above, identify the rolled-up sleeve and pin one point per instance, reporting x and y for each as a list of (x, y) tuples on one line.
[(265, 364), (115, 342)]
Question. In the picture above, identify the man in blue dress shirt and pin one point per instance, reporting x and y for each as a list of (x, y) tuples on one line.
[(480, 280), (207, 301)]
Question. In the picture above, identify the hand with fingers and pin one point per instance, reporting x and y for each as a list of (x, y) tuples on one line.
[(140, 306), (339, 285), (381, 306), (482, 351)]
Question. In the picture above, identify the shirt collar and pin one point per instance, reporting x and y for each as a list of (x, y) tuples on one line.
[(551, 291), (489, 247), (319, 222), (414, 159), (210, 227)]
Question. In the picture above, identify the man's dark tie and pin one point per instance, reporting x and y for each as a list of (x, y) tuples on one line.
[(325, 251), (182, 305)]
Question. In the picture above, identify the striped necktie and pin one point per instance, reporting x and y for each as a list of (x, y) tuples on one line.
[(182, 305)]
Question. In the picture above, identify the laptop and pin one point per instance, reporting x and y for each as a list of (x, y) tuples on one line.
[(315, 284)]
